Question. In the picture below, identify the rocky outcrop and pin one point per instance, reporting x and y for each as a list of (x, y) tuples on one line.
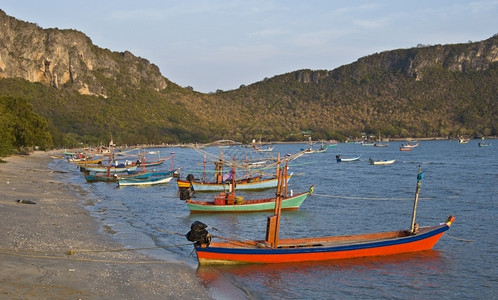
[(413, 62), (68, 58)]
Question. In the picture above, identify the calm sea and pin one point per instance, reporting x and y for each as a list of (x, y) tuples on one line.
[(459, 180)]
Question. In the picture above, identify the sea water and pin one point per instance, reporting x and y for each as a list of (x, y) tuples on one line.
[(349, 198)]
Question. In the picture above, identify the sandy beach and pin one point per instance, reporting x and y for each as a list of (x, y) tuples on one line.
[(54, 249)]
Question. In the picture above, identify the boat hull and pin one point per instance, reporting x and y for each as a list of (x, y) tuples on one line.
[(484, 144), (348, 159), (111, 170), (382, 162), (291, 203), (144, 182), (241, 186), (225, 254)]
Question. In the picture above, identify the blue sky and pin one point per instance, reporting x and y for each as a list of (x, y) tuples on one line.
[(211, 45)]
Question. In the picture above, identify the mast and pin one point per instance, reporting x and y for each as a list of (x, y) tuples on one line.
[(278, 204), (231, 195), (272, 226), (420, 175), (172, 161), (204, 170)]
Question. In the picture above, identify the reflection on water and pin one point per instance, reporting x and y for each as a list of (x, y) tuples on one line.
[(408, 267)]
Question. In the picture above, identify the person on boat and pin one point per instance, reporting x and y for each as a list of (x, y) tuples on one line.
[(228, 176)]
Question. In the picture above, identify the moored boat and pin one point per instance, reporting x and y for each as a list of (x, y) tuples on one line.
[(405, 148), (411, 144), (483, 144), (381, 145), (381, 162), (276, 250), (338, 158), (251, 183), (152, 180), (228, 202)]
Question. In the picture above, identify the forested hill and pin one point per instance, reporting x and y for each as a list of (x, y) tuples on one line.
[(441, 90), (85, 94)]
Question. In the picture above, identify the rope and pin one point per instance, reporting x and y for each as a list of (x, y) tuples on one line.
[(242, 164), (458, 239), (368, 198)]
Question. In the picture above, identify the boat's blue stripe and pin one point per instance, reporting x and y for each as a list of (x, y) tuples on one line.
[(384, 243)]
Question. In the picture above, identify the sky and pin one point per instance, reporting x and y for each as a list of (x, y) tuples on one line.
[(212, 45)]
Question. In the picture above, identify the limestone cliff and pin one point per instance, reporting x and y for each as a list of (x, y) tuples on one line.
[(414, 62), (68, 58)]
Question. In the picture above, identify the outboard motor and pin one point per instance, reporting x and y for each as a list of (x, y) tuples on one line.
[(199, 234), (186, 193)]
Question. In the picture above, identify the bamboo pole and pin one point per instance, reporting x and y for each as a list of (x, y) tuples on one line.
[(278, 202), (415, 202)]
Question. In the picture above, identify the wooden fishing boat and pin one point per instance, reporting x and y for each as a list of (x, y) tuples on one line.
[(263, 149), (88, 162), (310, 150), (381, 162), (411, 144), (331, 144), (152, 180), (148, 164), (341, 159), (246, 184), (107, 177), (381, 145), (104, 169), (228, 202), (276, 250), (483, 144), (404, 148)]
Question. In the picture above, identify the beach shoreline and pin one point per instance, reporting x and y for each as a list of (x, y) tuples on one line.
[(52, 248)]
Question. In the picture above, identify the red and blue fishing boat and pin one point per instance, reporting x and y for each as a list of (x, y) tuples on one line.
[(275, 250)]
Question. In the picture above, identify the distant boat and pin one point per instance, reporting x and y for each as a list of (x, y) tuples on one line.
[(411, 144), (462, 140), (274, 249), (381, 145), (405, 148), (331, 144), (483, 144), (340, 159), (310, 150), (366, 143), (263, 149), (381, 162)]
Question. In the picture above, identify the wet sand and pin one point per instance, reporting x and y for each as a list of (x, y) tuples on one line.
[(54, 249)]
